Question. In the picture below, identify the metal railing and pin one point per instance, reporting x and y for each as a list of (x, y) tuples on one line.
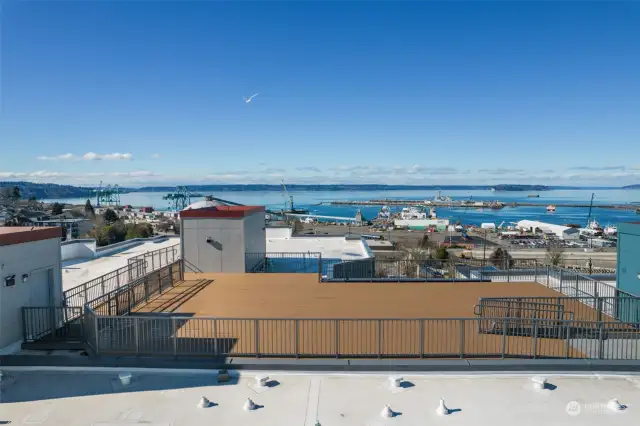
[(373, 269), (52, 324), (78, 323), (153, 260), (137, 267), (370, 338), (123, 300), (283, 262)]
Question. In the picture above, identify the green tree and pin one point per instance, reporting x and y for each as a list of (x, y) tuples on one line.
[(15, 193), (110, 217), (501, 258), (89, 210), (56, 208), (176, 227), (441, 253), (33, 198), (554, 256), (138, 230)]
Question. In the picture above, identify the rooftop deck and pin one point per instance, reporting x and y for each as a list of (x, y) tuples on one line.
[(157, 398), (302, 296)]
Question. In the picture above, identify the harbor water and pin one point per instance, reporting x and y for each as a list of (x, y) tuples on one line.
[(318, 202)]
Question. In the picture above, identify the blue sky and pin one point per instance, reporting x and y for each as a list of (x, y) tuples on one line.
[(151, 92)]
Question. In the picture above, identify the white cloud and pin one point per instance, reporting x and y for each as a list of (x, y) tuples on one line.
[(115, 156), (138, 173), (41, 174), (156, 155), (61, 157)]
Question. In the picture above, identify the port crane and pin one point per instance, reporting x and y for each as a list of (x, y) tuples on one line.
[(108, 195), (180, 199)]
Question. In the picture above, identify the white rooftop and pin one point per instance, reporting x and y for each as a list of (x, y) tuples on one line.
[(75, 398), (79, 271), (330, 247)]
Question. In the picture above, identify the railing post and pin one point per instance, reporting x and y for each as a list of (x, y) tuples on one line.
[(421, 338), (508, 270), (171, 275), (337, 332), (599, 308), (118, 279), (95, 333), (86, 296), (548, 276), (504, 337), (600, 340), (535, 338), (256, 331), (297, 339), (535, 271), (175, 337), (379, 338), (24, 323), (567, 338), (462, 325), (215, 336), (102, 284), (561, 277), (109, 303), (577, 284), (153, 262), (320, 268), (145, 283), (136, 334)]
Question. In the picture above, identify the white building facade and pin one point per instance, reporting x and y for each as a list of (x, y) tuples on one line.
[(30, 274)]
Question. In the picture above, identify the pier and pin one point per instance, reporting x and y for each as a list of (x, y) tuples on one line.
[(473, 205)]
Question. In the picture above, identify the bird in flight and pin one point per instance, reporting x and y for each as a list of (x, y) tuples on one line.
[(248, 100)]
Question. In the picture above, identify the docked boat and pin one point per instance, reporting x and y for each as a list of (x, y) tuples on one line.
[(416, 217), (533, 195), (551, 208), (610, 231)]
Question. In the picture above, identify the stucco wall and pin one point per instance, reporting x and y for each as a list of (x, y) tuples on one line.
[(254, 238), (78, 249), (225, 251), (34, 259)]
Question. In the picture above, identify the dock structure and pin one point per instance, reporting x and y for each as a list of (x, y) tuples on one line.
[(474, 205)]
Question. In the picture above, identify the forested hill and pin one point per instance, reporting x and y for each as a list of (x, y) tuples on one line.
[(48, 190)]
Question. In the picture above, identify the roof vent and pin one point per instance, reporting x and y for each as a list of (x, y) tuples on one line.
[(204, 403), (396, 381), (249, 405), (539, 382), (261, 381), (386, 412), (614, 405), (442, 409), (125, 379)]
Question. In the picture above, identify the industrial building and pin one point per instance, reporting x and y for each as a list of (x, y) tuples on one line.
[(628, 269), (560, 232), (73, 228), (30, 275)]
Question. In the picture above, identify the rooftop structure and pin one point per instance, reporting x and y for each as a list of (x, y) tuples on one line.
[(217, 238), (29, 276), (281, 240), (24, 234), (160, 398)]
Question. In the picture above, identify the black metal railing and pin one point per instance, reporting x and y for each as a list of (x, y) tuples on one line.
[(136, 268), (52, 323), (369, 338)]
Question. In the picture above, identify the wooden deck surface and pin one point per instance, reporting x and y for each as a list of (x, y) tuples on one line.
[(347, 311)]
